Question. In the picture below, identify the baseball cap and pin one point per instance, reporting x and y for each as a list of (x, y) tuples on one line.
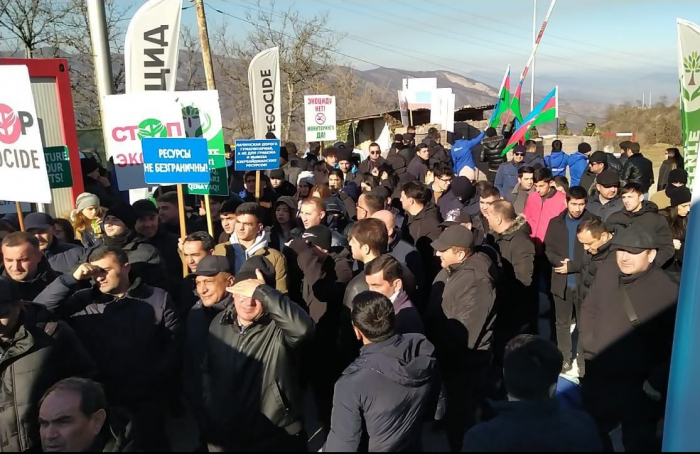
[(40, 221), (257, 262), (608, 178), (634, 239), (211, 265), (598, 157), (318, 235), (454, 236)]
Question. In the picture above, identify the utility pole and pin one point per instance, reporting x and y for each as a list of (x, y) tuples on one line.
[(211, 83), (101, 56)]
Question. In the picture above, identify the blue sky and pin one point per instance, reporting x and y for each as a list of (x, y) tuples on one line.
[(595, 48)]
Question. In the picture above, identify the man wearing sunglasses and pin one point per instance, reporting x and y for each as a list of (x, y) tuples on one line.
[(374, 161)]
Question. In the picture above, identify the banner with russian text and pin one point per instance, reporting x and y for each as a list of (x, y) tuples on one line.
[(319, 118), (264, 82)]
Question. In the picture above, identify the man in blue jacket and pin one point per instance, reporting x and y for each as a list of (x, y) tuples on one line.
[(507, 175), (386, 393), (578, 163), (462, 152)]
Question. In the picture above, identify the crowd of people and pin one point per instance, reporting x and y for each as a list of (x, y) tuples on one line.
[(531, 310)]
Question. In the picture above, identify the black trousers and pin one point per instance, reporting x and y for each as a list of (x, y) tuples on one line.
[(565, 309)]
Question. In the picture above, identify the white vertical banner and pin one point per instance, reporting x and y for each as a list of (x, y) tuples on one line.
[(23, 173), (264, 82), (450, 113), (689, 74), (319, 118), (440, 108), (403, 106), (152, 46), (131, 117)]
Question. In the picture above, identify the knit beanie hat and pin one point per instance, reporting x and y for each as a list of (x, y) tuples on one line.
[(125, 213), (680, 196), (86, 200)]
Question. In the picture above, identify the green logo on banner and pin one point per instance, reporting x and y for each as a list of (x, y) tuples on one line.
[(197, 123), (152, 127), (58, 167)]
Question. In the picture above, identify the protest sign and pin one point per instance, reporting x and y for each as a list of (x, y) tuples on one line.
[(319, 116), (257, 154), (58, 167), (175, 161), (264, 82)]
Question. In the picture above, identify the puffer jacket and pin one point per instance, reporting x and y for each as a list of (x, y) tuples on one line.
[(557, 163), (385, 392), (64, 257), (462, 312), (262, 361), (236, 255), (40, 354), (29, 290), (640, 170), (491, 149), (648, 217), (136, 340)]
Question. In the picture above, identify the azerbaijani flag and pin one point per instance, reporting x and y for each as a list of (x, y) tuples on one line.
[(546, 111), (503, 104)]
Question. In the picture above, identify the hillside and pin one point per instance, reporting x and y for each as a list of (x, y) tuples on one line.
[(659, 124)]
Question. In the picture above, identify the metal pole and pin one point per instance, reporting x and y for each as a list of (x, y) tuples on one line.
[(534, 40), (211, 82), (643, 95), (101, 56)]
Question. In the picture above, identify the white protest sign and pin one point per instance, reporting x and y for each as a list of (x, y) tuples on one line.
[(265, 95), (131, 117), (23, 173), (442, 109), (319, 116)]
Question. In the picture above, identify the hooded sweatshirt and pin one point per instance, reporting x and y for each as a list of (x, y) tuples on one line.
[(385, 392)]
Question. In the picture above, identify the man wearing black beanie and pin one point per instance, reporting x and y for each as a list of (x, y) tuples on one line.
[(280, 185), (677, 178), (145, 260)]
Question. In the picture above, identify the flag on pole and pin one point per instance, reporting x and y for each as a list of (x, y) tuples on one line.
[(689, 73), (503, 104), (515, 105), (264, 81), (546, 111)]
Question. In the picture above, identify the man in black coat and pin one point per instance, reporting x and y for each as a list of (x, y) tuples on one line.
[(638, 169), (63, 257), (460, 322), (515, 296), (627, 323), (491, 148), (419, 165), (149, 228), (255, 344), (37, 351), (640, 212), (373, 163), (385, 394), (532, 420), (24, 263), (423, 223), (596, 241), (606, 200), (565, 255), (131, 330)]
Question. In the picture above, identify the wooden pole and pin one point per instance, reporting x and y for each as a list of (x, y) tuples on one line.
[(183, 225), (211, 82), (20, 215), (410, 114), (257, 186)]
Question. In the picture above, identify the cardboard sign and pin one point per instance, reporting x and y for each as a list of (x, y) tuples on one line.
[(319, 116), (58, 166), (23, 173), (257, 154), (175, 161)]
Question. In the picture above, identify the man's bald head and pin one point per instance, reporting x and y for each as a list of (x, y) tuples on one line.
[(389, 220)]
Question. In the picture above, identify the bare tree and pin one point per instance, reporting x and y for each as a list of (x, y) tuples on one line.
[(31, 21), (306, 52), (189, 65)]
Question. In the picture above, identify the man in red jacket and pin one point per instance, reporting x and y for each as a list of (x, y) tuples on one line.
[(542, 206)]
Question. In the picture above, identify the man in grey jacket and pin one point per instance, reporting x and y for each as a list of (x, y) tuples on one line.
[(526, 184), (386, 392)]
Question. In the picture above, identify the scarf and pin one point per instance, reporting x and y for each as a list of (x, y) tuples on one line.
[(120, 240)]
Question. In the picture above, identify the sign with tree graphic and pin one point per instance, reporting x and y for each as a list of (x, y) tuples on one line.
[(688, 68)]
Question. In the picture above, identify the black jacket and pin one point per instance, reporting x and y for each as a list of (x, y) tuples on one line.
[(410, 258), (424, 228), (588, 180), (515, 294), (531, 426), (349, 203), (418, 168), (462, 307), (108, 196), (556, 247), (118, 434), (640, 170), (136, 340), (491, 150), (614, 163), (29, 290), (605, 211), (589, 270), (64, 257), (286, 189), (619, 351), (385, 393), (664, 171), (166, 244), (448, 202), (367, 165), (251, 389), (40, 354), (198, 322), (650, 219), (146, 262)]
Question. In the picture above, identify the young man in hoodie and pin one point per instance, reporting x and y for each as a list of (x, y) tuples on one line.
[(250, 239), (578, 163), (638, 211), (542, 206), (385, 394)]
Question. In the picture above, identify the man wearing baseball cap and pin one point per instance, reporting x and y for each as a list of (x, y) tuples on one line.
[(460, 317), (627, 324), (606, 201), (212, 277), (597, 164), (507, 175), (63, 257)]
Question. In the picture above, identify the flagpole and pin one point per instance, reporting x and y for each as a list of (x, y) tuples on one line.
[(534, 41)]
